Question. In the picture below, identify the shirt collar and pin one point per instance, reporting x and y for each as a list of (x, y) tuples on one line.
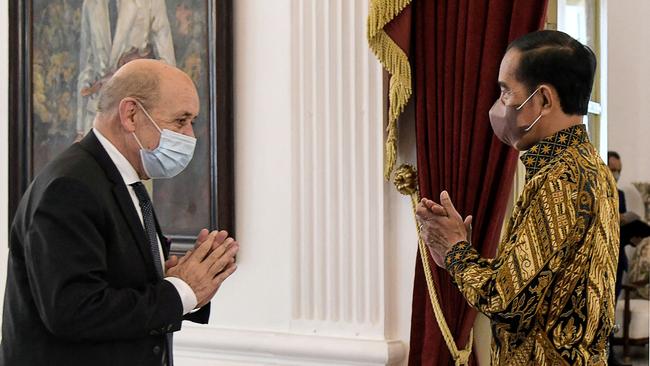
[(542, 153), (128, 173)]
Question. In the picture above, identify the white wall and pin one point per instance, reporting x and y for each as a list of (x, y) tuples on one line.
[(629, 87), (262, 170), (400, 226)]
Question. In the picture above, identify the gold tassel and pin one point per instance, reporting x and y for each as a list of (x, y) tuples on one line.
[(406, 183), (396, 62)]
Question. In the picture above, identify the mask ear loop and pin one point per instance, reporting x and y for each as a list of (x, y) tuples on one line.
[(138, 141), (533, 124), (148, 116), (525, 101), (137, 102), (522, 105)]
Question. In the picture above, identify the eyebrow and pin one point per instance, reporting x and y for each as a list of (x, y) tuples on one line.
[(186, 115), (503, 85)]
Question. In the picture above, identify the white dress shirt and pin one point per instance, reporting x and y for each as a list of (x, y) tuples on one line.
[(130, 176)]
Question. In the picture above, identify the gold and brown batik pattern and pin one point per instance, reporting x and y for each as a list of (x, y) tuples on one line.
[(550, 290)]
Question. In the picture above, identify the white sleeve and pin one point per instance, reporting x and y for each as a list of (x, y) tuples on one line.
[(188, 298), (162, 33)]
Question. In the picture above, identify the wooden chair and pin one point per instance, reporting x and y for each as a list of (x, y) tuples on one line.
[(632, 314)]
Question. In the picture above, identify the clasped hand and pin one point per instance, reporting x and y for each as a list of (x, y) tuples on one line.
[(441, 226), (205, 267)]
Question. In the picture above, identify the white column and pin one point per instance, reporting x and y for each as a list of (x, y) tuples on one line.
[(338, 263)]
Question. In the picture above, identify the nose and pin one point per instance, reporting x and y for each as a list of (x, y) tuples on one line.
[(189, 131)]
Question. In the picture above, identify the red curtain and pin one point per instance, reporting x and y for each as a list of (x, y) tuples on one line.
[(456, 52)]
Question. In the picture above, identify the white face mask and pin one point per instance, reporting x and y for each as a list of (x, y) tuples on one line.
[(173, 154)]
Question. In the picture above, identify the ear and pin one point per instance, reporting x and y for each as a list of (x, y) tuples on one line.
[(549, 98), (126, 112)]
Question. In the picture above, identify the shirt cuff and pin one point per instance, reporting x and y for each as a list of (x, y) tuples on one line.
[(456, 257), (188, 298)]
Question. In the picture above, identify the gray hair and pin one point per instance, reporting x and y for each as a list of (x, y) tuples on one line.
[(143, 86)]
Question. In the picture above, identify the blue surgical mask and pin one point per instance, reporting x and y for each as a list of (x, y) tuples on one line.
[(172, 156)]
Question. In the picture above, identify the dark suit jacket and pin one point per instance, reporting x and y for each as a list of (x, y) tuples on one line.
[(82, 288)]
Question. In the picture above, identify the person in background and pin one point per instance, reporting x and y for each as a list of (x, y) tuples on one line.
[(615, 166), (626, 217)]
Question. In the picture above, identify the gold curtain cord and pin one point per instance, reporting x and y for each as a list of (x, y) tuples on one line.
[(405, 181), (395, 61)]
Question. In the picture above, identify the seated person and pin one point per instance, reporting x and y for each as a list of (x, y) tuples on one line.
[(639, 271)]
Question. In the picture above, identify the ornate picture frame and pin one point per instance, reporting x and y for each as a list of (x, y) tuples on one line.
[(53, 77)]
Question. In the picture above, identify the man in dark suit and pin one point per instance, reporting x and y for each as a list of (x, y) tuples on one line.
[(87, 282), (615, 166)]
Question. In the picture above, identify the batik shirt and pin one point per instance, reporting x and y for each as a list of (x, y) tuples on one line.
[(549, 293)]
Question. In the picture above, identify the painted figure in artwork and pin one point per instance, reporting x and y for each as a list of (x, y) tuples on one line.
[(114, 32)]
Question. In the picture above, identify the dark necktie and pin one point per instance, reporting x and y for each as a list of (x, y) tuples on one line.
[(149, 224), (152, 236), (112, 13)]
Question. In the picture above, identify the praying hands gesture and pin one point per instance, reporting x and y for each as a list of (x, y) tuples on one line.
[(441, 226), (207, 266)]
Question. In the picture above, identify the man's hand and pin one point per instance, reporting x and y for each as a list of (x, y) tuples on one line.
[(441, 226), (218, 240), (206, 266), (203, 235), (172, 261)]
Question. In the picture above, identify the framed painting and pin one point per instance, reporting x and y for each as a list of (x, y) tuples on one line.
[(61, 52)]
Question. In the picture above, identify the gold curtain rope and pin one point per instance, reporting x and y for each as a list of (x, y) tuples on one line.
[(406, 183)]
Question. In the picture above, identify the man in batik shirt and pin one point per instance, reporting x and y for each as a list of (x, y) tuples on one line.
[(549, 293)]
